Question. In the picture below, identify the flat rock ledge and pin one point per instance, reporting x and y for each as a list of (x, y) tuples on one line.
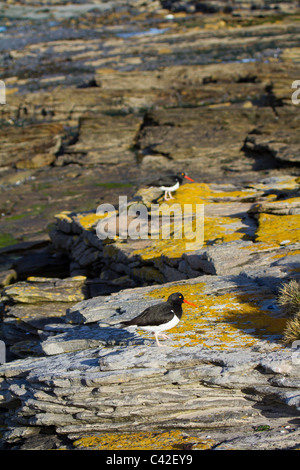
[(222, 381)]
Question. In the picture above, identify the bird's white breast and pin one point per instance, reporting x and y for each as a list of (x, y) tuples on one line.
[(170, 188), (163, 327)]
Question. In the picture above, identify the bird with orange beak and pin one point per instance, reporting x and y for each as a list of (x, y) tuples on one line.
[(170, 183), (160, 317)]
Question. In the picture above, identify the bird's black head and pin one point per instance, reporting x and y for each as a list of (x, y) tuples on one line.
[(180, 177), (176, 298)]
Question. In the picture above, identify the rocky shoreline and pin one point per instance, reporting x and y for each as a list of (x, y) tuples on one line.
[(79, 369), (108, 96)]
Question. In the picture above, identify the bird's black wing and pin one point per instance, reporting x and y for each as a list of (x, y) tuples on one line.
[(154, 315), (167, 180)]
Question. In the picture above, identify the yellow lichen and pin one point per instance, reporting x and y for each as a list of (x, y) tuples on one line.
[(224, 321), (169, 440), (282, 255), (289, 183), (201, 192), (65, 215), (276, 229), (49, 279), (88, 221), (224, 228), (290, 200)]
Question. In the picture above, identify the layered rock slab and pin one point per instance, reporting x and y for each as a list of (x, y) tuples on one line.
[(92, 392), (223, 369)]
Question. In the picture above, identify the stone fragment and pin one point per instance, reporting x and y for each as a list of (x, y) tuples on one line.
[(7, 277), (107, 308), (18, 143), (46, 290), (227, 258), (85, 337), (106, 139)]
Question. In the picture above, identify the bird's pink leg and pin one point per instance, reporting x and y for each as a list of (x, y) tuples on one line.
[(156, 337), (164, 336), (171, 197)]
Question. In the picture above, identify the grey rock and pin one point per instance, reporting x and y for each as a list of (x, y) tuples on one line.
[(83, 337), (123, 389), (223, 259), (172, 274), (107, 308), (20, 432), (185, 268), (7, 277), (42, 442), (276, 439), (38, 289)]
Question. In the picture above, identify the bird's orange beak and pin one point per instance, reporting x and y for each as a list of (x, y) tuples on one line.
[(188, 178), (190, 303)]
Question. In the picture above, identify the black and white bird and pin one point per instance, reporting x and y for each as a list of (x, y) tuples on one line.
[(170, 183), (159, 317)]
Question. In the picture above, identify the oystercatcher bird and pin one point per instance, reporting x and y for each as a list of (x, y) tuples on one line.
[(170, 183), (160, 317)]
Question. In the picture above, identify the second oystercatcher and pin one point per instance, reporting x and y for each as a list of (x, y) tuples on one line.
[(159, 317), (170, 183)]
